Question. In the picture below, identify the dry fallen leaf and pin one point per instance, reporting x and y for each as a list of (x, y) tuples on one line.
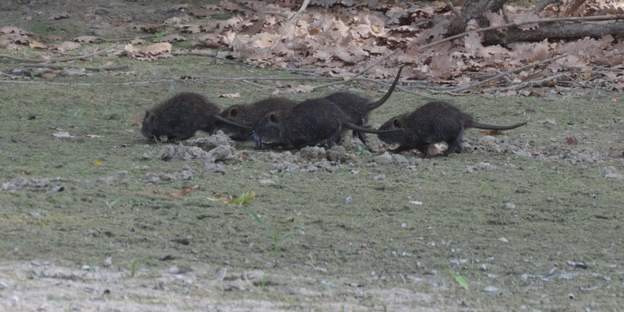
[(66, 46), (210, 40), (150, 52), (37, 45)]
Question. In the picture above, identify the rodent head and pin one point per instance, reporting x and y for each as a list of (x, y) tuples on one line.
[(235, 113), (393, 137), (149, 128), (269, 130)]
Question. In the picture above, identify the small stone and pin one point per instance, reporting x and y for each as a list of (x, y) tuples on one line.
[(403, 225), (483, 267), (3, 285), (214, 167), (313, 153), (549, 123), (147, 156), (210, 142), (180, 152), (338, 154), (384, 158), (379, 177), (56, 189), (348, 200), (491, 290), (488, 140), (185, 175), (108, 262), (509, 205), (151, 177), (62, 135), (416, 202), (578, 264), (610, 172), (267, 182), (285, 166), (504, 240), (400, 159), (437, 148), (220, 153), (177, 270)]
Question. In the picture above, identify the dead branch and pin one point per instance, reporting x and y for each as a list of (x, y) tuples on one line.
[(480, 30), (548, 81), (558, 31)]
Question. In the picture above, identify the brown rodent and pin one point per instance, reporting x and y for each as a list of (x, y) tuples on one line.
[(180, 116), (250, 114), (432, 123), (358, 108), (311, 122)]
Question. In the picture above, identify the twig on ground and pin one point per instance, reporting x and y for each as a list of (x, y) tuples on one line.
[(531, 83), (515, 70), (255, 84), (59, 67)]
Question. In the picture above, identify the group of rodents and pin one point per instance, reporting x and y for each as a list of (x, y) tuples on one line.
[(281, 122)]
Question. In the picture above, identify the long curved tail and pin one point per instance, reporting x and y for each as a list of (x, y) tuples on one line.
[(479, 125), (230, 122), (389, 92)]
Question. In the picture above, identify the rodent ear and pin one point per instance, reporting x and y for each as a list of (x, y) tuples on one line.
[(233, 112), (273, 118), (396, 122)]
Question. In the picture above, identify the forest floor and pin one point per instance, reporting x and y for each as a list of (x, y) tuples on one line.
[(92, 218)]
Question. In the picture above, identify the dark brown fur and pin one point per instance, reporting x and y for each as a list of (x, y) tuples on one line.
[(432, 123), (250, 114), (312, 122), (358, 108), (179, 117)]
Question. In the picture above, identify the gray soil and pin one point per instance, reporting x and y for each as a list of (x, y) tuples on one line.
[(95, 220)]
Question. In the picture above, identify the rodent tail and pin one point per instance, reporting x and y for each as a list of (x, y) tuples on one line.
[(387, 95), (479, 125), (229, 122)]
